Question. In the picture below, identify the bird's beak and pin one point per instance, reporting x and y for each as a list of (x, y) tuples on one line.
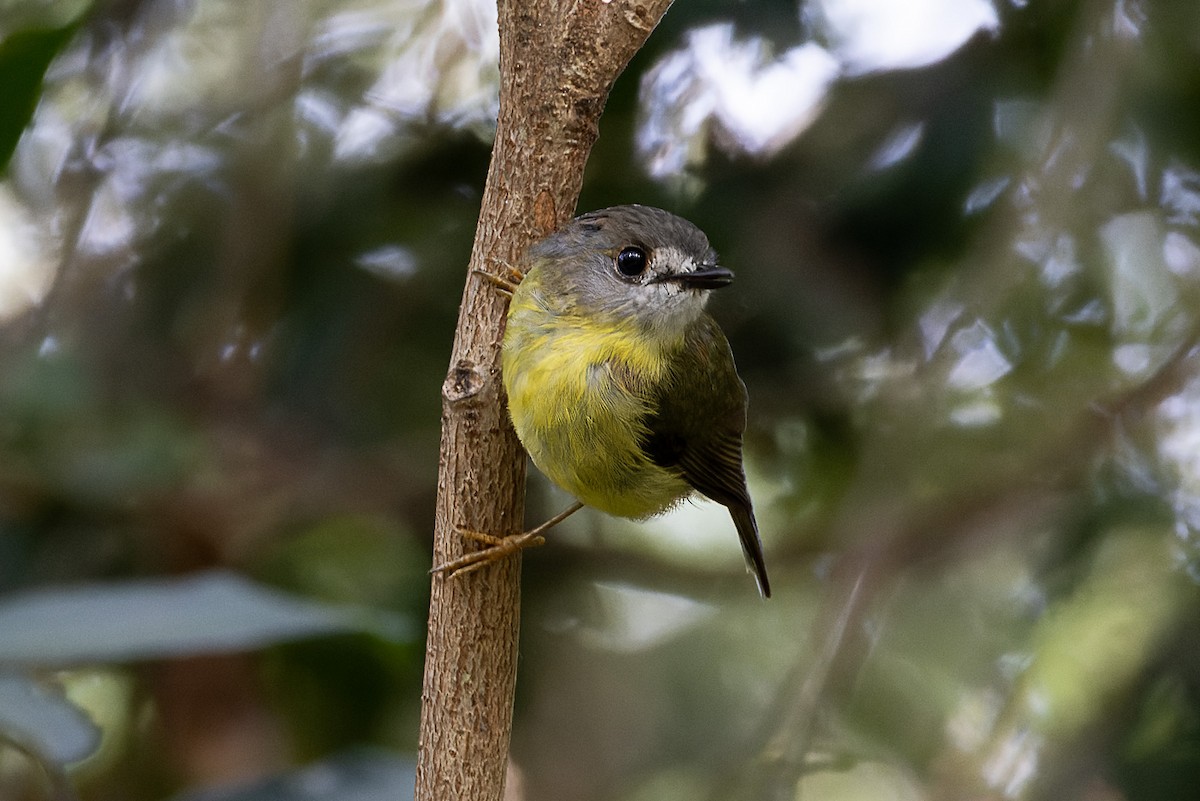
[(705, 278)]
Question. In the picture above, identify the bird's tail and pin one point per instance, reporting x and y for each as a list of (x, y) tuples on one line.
[(747, 529)]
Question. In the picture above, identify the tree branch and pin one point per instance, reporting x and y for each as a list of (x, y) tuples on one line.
[(558, 61)]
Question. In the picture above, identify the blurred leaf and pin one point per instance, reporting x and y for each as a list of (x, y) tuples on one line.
[(205, 613), (20, 16), (24, 58), (353, 776), (43, 721), (1087, 653), (1094, 645), (1143, 292)]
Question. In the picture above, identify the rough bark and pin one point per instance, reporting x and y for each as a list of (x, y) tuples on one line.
[(558, 61)]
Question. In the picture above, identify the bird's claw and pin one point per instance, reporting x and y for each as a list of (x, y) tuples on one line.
[(505, 283), (497, 548)]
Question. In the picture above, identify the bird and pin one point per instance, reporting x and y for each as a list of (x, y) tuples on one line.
[(621, 387)]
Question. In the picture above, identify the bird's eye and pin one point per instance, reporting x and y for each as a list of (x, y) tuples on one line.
[(631, 262)]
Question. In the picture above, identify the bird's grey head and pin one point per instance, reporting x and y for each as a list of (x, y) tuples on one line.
[(629, 262)]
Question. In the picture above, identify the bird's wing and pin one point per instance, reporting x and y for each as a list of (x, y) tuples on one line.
[(696, 427)]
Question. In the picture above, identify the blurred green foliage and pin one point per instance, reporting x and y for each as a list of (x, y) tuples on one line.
[(233, 240)]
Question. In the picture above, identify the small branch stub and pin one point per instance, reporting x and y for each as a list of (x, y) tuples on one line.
[(464, 383)]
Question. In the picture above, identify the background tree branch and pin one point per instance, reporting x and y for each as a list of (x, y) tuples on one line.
[(558, 61)]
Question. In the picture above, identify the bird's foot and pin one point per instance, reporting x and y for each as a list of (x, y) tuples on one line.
[(506, 282), (497, 548)]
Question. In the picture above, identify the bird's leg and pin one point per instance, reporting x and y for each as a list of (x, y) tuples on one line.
[(500, 547), (506, 282)]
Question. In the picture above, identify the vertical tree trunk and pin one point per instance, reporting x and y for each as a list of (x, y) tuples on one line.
[(558, 61)]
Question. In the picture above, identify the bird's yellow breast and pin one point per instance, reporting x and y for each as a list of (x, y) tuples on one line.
[(579, 391)]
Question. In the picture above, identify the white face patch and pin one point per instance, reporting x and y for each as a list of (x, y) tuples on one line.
[(670, 303), (669, 260)]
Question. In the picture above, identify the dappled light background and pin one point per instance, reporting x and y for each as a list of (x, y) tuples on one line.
[(233, 239)]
